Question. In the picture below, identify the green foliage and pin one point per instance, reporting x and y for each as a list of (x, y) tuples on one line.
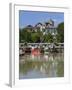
[(60, 31), (48, 38), (25, 35), (35, 37), (28, 35)]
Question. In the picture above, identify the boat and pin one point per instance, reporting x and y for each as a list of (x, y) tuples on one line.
[(35, 51)]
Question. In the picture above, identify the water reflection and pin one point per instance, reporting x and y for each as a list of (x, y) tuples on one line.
[(41, 66)]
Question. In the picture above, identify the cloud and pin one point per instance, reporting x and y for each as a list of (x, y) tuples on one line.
[(55, 20)]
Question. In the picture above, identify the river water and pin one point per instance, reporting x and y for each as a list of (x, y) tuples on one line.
[(41, 66)]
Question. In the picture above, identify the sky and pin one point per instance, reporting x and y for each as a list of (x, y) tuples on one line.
[(33, 17)]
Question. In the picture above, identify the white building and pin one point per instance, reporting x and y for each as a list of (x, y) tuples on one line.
[(47, 27)]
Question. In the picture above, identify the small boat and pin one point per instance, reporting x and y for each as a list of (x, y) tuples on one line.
[(35, 51), (21, 52)]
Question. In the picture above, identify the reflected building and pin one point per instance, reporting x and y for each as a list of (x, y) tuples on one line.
[(41, 66)]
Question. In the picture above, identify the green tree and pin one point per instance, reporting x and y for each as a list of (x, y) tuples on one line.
[(60, 31), (25, 35), (48, 38), (35, 37)]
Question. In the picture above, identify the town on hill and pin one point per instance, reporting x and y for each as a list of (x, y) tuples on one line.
[(42, 32)]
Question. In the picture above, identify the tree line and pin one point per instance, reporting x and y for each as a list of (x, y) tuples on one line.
[(25, 35)]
